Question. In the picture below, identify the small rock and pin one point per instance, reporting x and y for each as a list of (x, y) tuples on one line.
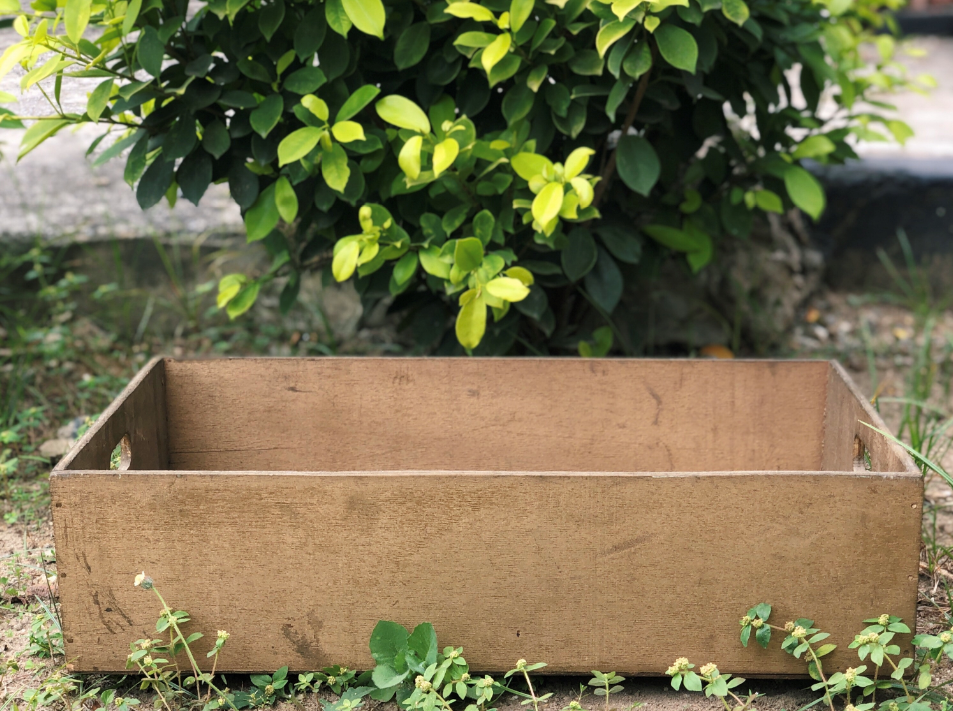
[(71, 428), (54, 448)]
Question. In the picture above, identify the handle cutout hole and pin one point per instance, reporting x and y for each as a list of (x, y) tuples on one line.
[(861, 456), (121, 457)]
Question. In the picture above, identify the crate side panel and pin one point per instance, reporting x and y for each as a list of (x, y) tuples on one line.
[(140, 413), (517, 415), (584, 572), (845, 413)]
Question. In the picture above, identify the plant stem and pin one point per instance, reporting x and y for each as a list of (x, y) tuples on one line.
[(533, 693), (626, 125), (906, 692), (820, 672)]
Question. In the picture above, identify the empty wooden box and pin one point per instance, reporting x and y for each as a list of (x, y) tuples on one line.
[(592, 514)]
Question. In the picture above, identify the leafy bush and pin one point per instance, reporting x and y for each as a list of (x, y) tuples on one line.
[(526, 160)]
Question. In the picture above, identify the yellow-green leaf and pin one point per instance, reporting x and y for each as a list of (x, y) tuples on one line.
[(316, 106), (612, 33), (471, 321), (367, 15), (444, 153), (736, 11), (469, 10), (432, 264), (520, 12), (297, 144), (495, 51), (651, 23), (621, 8), (76, 18), (98, 99), (577, 162), (547, 204), (507, 288), (39, 132), (286, 200), (529, 165), (584, 190), (348, 131), (334, 167), (403, 113), (228, 287), (345, 260), (409, 158), (524, 275)]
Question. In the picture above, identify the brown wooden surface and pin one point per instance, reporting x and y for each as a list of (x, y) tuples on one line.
[(138, 412), (374, 414), (846, 411), (590, 571)]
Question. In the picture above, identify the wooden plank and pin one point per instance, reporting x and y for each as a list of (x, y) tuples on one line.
[(139, 413), (845, 413), (584, 571), (495, 414)]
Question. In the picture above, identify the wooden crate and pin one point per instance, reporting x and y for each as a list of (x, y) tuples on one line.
[(593, 514)]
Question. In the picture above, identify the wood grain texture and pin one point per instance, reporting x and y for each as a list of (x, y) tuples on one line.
[(374, 414), (140, 413), (845, 413), (584, 571)]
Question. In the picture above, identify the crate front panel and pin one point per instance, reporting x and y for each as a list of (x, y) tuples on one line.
[(621, 572)]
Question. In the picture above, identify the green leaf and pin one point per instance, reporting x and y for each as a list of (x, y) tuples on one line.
[(266, 116), (468, 254), (638, 61), (804, 191), (367, 15), (405, 268), (471, 321), (243, 301), (432, 264), (547, 203), (693, 682), (305, 80), (337, 18), (638, 164), (216, 140), (285, 200), (334, 167), (150, 51), (736, 11), (356, 102), (604, 282), (763, 636), (132, 14), (194, 176), (814, 147), (444, 154), (76, 18), (745, 635), (483, 224), (155, 183), (520, 12), (263, 216), (769, 201), (270, 17), (403, 113), (99, 99), (495, 51), (412, 45), (677, 47), (580, 254)]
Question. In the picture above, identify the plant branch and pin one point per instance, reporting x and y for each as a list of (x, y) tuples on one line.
[(626, 125)]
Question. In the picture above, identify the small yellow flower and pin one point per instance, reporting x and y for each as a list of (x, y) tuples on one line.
[(757, 623), (140, 578), (884, 620), (147, 660), (850, 675), (946, 637), (745, 621), (422, 683), (789, 626), (708, 669), (222, 634), (521, 664), (799, 632)]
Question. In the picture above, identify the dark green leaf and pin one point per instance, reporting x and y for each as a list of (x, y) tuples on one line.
[(638, 164), (580, 254)]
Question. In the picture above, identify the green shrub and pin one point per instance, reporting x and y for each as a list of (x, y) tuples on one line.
[(506, 169)]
